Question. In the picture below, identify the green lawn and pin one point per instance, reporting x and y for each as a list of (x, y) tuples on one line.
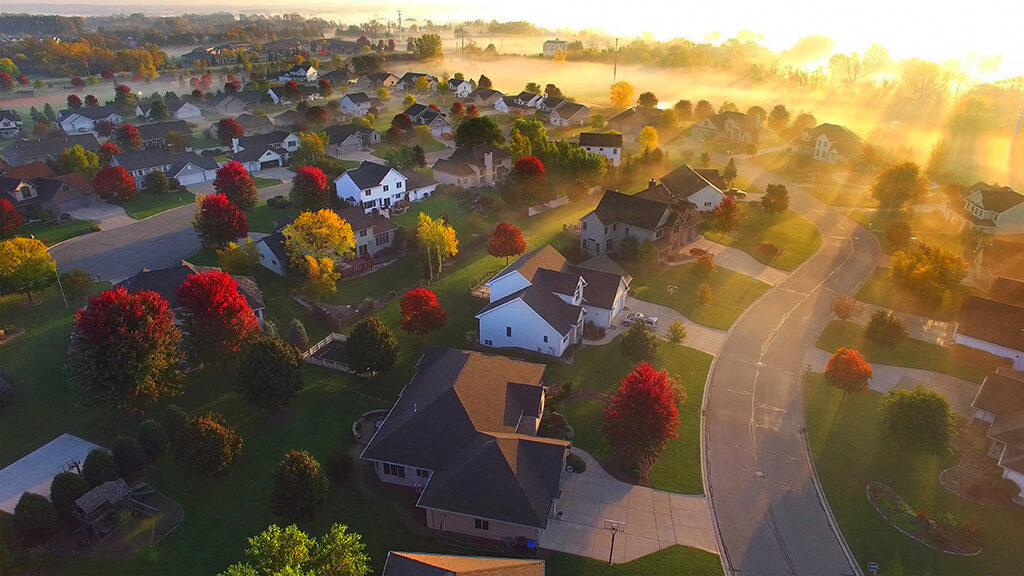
[(957, 361), (432, 145), (144, 204), (601, 369), (791, 233), (732, 293), (261, 182), (52, 233), (857, 452), (677, 560), (264, 218), (201, 140), (929, 227), (880, 290)]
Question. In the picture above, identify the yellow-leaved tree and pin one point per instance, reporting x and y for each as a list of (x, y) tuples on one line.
[(322, 280), (438, 241), (25, 267), (320, 234), (621, 94), (648, 138)]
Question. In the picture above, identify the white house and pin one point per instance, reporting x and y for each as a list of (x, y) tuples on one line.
[(540, 303), (84, 119), (356, 103), (371, 186), (570, 114), (552, 47), (10, 125), (528, 99), (257, 158), (460, 88), (989, 208), (176, 109), (995, 326), (299, 73), (607, 145), (830, 143), (685, 183), (1000, 403), (281, 141)]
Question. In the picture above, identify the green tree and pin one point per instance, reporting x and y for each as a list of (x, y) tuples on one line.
[(703, 295), (898, 234), (25, 267), (705, 159), (157, 183), (153, 438), (899, 184), (927, 271), (647, 254), (271, 374), (129, 457), (288, 551), (78, 159), (886, 329), (65, 488), (778, 118), (775, 199), (478, 130), (639, 342), (76, 283), (239, 259), (371, 347), (174, 419), (428, 47), (918, 420), (299, 486), (35, 518), (158, 111), (297, 335), (648, 138), (676, 332), (208, 446), (729, 173), (99, 467)]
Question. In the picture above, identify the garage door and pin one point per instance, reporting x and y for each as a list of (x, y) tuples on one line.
[(270, 164), (190, 179)]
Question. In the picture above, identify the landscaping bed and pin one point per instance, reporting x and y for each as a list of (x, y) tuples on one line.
[(947, 534), (977, 477)]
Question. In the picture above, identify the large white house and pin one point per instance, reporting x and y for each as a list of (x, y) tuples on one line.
[(607, 145), (552, 47), (460, 88), (356, 103), (685, 183), (374, 186), (84, 119), (989, 208), (830, 143), (299, 73), (10, 124), (540, 303)]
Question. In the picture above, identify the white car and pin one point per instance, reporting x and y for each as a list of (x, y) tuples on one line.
[(632, 317)]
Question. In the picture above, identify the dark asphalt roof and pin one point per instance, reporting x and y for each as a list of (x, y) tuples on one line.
[(993, 321), (92, 112), (633, 210), (602, 287), (684, 181), (1001, 392), (1000, 200), (340, 132), (606, 140), (166, 281), (161, 129), (360, 220), (570, 109), (475, 154), (52, 146), (368, 174), (357, 97), (1008, 290), (275, 242), (142, 159), (248, 121), (527, 265), (252, 153), (264, 140)]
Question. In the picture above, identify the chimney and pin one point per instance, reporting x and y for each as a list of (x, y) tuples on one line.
[(650, 183), (235, 148)]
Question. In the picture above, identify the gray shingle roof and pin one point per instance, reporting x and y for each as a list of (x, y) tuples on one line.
[(634, 210), (601, 140), (166, 281), (684, 181), (161, 129), (357, 97), (368, 174), (51, 146)]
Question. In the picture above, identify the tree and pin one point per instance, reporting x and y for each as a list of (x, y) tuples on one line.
[(325, 87), (297, 335), (438, 241), (648, 138), (279, 551), (886, 329), (898, 234), (727, 215), (684, 110), (216, 317), (114, 183), (641, 417), (157, 183), (778, 118), (127, 137), (74, 102), (419, 155), (526, 184), (422, 85), (321, 278), (235, 182), (927, 271), (227, 129), (647, 253), (705, 265), (239, 259), (99, 467), (702, 110), (174, 419), (639, 342), (757, 114), (371, 347), (621, 94), (899, 184), (775, 199), (484, 83), (456, 109), (312, 149), (320, 234), (270, 375), (421, 313), (729, 173), (107, 151), (208, 446), (506, 241), (428, 47), (291, 90), (703, 296), (918, 420), (35, 518), (676, 332), (383, 94), (153, 439), (408, 101), (472, 111), (10, 219), (129, 457), (845, 307), (309, 188), (76, 283), (316, 116), (533, 87), (49, 112), (158, 111), (25, 267), (65, 488), (647, 100), (300, 486), (848, 371), (91, 101), (218, 221), (402, 122), (125, 100), (6, 82), (480, 130)]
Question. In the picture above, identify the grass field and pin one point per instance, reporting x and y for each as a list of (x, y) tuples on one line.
[(880, 290), (264, 218), (857, 452), (51, 233), (677, 560), (261, 182), (929, 227), (732, 293), (957, 361), (144, 204), (791, 233)]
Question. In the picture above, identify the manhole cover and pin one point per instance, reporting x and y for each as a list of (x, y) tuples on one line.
[(759, 474)]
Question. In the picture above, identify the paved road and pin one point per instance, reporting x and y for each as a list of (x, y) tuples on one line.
[(768, 514)]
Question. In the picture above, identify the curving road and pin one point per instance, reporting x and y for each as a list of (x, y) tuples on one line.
[(769, 515)]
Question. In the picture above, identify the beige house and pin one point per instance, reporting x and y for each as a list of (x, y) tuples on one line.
[(481, 165), (830, 143), (619, 216), (731, 126), (989, 208)]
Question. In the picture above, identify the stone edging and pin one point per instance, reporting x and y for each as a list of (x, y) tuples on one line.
[(867, 493)]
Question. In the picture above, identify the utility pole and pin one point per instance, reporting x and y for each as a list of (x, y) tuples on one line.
[(615, 64), (399, 25)]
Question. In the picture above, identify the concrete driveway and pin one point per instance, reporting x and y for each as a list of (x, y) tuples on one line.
[(106, 216), (654, 519), (739, 261), (697, 335)]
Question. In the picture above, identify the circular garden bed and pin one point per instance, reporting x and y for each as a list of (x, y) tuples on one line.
[(947, 534)]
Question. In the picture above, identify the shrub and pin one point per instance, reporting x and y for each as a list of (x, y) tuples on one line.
[(769, 250), (676, 332), (174, 420), (340, 466), (297, 335), (886, 329), (703, 296), (629, 249), (129, 457), (639, 342), (592, 331), (153, 438), (300, 486), (845, 307), (99, 467), (76, 283), (35, 518), (208, 446), (579, 465), (705, 265), (65, 489)]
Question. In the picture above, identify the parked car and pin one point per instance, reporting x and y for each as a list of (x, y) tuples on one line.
[(642, 318), (699, 252), (736, 192)]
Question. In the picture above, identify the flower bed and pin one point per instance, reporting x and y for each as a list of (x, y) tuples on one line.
[(947, 534)]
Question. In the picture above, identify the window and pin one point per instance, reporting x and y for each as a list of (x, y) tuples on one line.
[(382, 239), (385, 187), (398, 185), (482, 524), (488, 342), (366, 192), (545, 338), (423, 473), (659, 232), (362, 233), (508, 331), (707, 204), (394, 470)]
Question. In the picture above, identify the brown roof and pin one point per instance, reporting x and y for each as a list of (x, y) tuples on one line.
[(1008, 291), (685, 181), (29, 171), (1004, 257), (634, 210), (993, 321), (360, 220), (413, 564), (528, 264), (1001, 392)]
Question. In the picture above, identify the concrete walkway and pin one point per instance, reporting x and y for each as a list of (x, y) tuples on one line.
[(739, 261), (697, 335), (959, 392), (918, 327), (654, 519)]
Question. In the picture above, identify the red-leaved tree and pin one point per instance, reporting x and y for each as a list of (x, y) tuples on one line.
[(218, 221), (291, 90), (6, 82), (471, 111), (77, 82), (641, 417), (228, 128), (421, 312), (506, 241), (232, 87), (107, 151), (456, 109), (309, 188), (114, 183), (316, 115), (91, 100), (235, 182), (10, 219), (325, 87), (217, 320), (74, 102), (125, 349), (127, 137), (402, 122), (850, 372), (526, 183)]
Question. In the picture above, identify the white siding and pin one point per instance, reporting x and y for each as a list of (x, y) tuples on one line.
[(391, 189), (269, 260), (1017, 356), (507, 284), (614, 154), (528, 330), (707, 198)]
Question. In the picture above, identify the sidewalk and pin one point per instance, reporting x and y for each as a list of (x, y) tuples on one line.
[(698, 336)]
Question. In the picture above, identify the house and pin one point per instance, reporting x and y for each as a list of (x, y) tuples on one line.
[(84, 119), (10, 124), (608, 145), (419, 185), (731, 126), (408, 81), (988, 208), (619, 216), (460, 88), (201, 55), (528, 99), (995, 326), (632, 120), (415, 564), (345, 139), (255, 124), (356, 103), (570, 114), (166, 281), (281, 141), (830, 143), (178, 109), (373, 233), (235, 104), (426, 116), (549, 104), (552, 47), (463, 433), (1000, 403), (540, 302), (308, 93), (256, 158), (481, 165), (289, 119), (379, 80), (154, 136), (685, 183), (1000, 257), (28, 151), (340, 78), (304, 72), (485, 98), (35, 186), (187, 168), (371, 186)]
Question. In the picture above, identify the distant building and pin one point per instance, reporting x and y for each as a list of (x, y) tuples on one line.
[(552, 47), (607, 145), (988, 208), (830, 143), (84, 119)]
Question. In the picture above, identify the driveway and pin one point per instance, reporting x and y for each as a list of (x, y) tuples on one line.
[(918, 327), (106, 216), (654, 519), (698, 336), (739, 261)]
